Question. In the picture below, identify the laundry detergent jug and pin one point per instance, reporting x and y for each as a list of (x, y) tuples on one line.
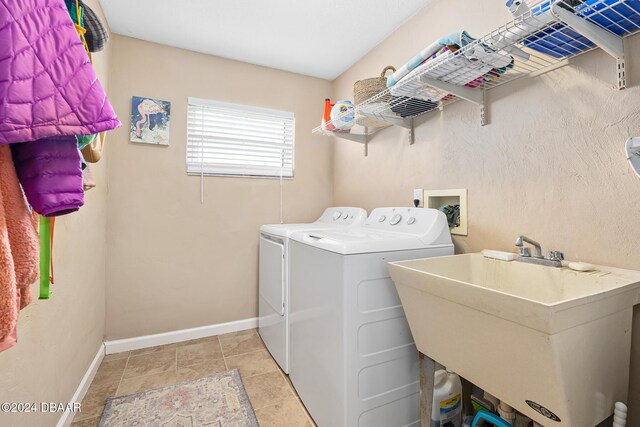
[(447, 400)]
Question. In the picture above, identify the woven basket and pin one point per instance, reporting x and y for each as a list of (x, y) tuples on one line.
[(368, 88)]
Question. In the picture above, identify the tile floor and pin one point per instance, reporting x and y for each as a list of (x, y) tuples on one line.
[(273, 398)]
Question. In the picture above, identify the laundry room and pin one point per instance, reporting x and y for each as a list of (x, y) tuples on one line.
[(332, 214)]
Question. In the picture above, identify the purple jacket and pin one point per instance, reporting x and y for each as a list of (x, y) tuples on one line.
[(47, 84), (50, 173)]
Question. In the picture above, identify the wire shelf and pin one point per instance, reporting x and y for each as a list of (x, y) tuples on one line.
[(545, 35)]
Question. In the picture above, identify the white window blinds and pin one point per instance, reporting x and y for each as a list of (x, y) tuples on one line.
[(239, 140)]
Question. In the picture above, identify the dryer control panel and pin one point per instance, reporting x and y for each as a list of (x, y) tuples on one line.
[(345, 215)]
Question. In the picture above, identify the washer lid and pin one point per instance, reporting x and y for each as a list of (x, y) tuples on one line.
[(360, 241), (286, 230)]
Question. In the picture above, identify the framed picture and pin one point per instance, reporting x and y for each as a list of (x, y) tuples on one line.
[(150, 120)]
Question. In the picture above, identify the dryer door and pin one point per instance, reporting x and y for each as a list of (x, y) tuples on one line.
[(273, 319), (272, 270)]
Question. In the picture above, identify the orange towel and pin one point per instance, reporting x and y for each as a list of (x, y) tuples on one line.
[(19, 249)]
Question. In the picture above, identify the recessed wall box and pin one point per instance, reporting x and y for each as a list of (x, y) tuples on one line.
[(437, 198)]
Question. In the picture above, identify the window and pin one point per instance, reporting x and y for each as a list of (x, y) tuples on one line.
[(238, 140)]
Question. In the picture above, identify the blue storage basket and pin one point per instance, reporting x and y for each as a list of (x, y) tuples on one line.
[(559, 40), (617, 16)]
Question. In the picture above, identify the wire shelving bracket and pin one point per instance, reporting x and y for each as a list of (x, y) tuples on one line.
[(361, 138), (622, 78), (605, 40), (610, 43), (463, 92)]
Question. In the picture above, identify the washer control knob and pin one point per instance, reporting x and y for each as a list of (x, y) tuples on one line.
[(337, 215), (381, 218), (345, 216), (395, 219), (411, 220)]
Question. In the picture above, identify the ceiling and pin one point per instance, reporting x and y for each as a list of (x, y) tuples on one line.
[(315, 38)]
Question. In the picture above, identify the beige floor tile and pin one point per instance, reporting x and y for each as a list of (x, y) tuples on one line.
[(147, 382), (198, 341), (267, 389), (151, 363), (238, 333), (116, 356), (110, 371), (199, 370), (272, 396), (154, 349), (89, 422), (93, 402), (288, 413), (233, 345), (255, 363), (199, 352)]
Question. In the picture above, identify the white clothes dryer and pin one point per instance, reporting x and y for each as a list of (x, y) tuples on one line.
[(273, 305)]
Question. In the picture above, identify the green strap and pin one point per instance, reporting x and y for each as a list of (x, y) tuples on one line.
[(45, 256)]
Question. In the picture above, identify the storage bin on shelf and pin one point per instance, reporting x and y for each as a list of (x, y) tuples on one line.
[(373, 97), (559, 40), (617, 16), (368, 88), (549, 37)]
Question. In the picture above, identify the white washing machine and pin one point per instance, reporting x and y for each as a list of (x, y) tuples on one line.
[(353, 360), (273, 306)]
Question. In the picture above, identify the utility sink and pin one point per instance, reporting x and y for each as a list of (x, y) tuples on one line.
[(552, 342)]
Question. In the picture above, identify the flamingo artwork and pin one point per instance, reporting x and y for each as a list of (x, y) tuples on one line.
[(150, 120)]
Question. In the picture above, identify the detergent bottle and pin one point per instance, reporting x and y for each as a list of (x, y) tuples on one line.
[(326, 117), (447, 400), (343, 116)]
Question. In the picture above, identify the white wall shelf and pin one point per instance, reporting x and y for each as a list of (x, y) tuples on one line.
[(541, 39)]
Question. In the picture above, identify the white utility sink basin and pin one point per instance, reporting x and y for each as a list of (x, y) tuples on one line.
[(552, 342)]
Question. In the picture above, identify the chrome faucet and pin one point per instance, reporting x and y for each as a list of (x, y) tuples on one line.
[(524, 251), (552, 259)]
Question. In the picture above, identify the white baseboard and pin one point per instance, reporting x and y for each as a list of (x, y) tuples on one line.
[(67, 416), (127, 344)]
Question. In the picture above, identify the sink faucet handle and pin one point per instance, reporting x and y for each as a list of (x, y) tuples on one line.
[(524, 251), (520, 243), (555, 255)]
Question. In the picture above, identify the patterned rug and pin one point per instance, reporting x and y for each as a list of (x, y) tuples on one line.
[(216, 401)]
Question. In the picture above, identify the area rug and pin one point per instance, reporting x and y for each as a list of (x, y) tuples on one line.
[(219, 400)]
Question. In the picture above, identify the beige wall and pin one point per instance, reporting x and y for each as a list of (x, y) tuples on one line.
[(174, 263), (58, 338), (549, 165)]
